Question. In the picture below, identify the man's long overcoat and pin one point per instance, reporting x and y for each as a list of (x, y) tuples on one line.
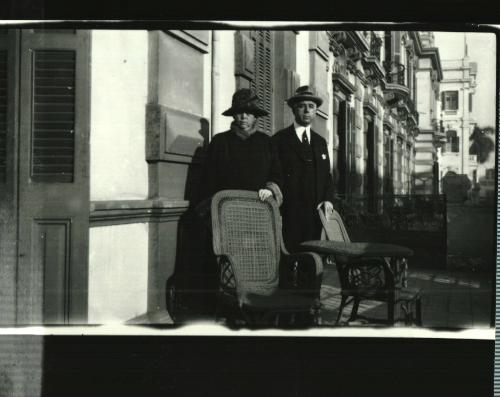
[(306, 184)]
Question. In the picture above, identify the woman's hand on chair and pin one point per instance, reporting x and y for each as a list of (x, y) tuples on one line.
[(264, 194), (328, 206)]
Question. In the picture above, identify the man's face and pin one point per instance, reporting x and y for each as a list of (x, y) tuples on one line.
[(245, 121), (304, 112)]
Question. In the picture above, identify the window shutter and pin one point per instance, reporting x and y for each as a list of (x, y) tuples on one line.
[(262, 83), (442, 101), (397, 47), (387, 46), (53, 99), (3, 113)]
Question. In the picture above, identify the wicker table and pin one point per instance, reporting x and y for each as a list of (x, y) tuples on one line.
[(365, 250)]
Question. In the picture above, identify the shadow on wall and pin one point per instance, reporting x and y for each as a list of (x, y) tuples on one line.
[(190, 289)]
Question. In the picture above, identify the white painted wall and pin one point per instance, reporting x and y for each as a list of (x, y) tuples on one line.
[(118, 272), (303, 59), (119, 66), (424, 99), (225, 80), (207, 79)]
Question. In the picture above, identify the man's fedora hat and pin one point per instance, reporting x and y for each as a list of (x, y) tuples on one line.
[(244, 100), (304, 93)]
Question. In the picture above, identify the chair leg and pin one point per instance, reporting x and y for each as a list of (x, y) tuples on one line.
[(354, 311), (317, 320), (218, 304), (390, 311), (418, 307), (341, 309)]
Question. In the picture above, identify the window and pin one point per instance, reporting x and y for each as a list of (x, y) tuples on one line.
[(470, 102), (387, 164), (490, 174), (408, 168), (54, 115), (452, 144), (450, 100), (254, 69), (262, 83), (399, 166)]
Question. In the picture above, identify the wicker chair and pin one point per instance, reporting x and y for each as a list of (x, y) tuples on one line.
[(368, 271), (258, 277)]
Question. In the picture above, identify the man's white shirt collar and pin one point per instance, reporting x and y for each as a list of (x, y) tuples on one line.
[(299, 130)]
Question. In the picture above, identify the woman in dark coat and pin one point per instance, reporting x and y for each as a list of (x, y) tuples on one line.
[(243, 157)]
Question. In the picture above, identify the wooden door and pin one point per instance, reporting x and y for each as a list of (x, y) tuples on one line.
[(8, 173), (53, 177)]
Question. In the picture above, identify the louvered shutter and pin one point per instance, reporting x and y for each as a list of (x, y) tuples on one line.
[(3, 113), (53, 115), (388, 46), (397, 47), (262, 82)]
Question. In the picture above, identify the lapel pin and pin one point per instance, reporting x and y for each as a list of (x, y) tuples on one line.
[(323, 156)]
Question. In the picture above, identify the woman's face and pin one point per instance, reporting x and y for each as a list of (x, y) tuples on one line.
[(245, 121)]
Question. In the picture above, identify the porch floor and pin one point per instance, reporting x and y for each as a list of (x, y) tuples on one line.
[(451, 299)]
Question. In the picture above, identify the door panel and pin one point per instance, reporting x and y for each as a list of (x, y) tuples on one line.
[(53, 177)]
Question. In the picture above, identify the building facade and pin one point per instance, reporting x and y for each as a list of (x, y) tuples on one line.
[(457, 98), (101, 169), (429, 74)]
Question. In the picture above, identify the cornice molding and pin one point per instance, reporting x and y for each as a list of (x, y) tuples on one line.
[(115, 212)]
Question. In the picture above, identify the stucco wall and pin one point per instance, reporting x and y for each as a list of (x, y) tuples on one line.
[(119, 66), (302, 60), (226, 83), (118, 272), (424, 100)]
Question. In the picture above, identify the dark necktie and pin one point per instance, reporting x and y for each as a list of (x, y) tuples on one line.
[(305, 141)]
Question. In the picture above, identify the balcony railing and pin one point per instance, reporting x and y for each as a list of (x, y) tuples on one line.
[(394, 212), (394, 72), (418, 222)]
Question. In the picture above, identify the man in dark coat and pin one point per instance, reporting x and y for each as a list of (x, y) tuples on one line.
[(305, 162)]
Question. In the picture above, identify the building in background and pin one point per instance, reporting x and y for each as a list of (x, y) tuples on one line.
[(457, 101), (428, 76)]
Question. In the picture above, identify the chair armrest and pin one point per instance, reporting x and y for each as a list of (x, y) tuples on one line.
[(302, 271)]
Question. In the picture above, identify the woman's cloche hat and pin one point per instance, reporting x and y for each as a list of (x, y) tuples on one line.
[(304, 93), (244, 100)]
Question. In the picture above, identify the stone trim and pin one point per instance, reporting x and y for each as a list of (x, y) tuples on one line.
[(119, 212)]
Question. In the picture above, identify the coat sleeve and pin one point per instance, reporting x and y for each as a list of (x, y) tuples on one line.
[(209, 181)]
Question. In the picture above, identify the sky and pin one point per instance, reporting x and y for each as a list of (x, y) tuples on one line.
[(481, 49)]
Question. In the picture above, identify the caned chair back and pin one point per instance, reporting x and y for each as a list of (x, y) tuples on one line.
[(333, 227), (248, 230)]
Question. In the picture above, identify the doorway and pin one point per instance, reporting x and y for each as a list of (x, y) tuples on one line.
[(48, 170)]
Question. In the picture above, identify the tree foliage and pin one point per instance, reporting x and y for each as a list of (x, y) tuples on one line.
[(482, 143)]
